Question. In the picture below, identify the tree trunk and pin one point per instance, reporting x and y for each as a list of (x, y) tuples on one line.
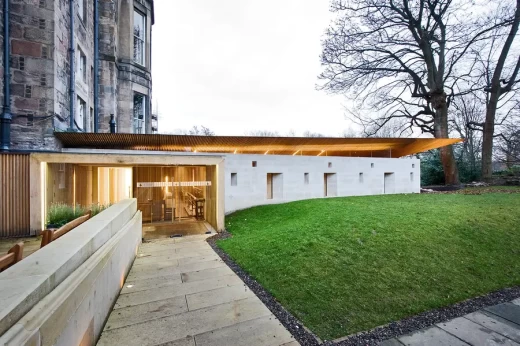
[(449, 165), (487, 138)]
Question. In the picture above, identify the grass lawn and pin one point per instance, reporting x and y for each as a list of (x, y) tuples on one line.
[(343, 265)]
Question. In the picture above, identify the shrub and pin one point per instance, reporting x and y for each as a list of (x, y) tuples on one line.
[(60, 214)]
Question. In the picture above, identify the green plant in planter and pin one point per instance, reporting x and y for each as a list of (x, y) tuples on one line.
[(60, 213), (98, 208)]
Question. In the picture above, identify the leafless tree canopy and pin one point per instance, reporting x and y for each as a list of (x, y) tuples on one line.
[(406, 60)]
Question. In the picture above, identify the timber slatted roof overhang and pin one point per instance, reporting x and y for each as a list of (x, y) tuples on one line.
[(309, 146)]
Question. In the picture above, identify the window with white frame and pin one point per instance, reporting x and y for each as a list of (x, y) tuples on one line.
[(139, 37), (139, 113), (82, 113), (82, 66)]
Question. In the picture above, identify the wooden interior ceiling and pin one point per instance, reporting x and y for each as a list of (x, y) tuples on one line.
[(307, 146)]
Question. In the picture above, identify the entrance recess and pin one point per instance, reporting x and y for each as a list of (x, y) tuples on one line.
[(171, 194)]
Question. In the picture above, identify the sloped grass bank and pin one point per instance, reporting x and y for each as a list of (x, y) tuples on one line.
[(345, 265)]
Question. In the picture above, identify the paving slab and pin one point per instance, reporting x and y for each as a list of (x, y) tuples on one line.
[(180, 326), (197, 259), (218, 296), (157, 265), (474, 334), (189, 341), (172, 255), (391, 342), (150, 283), (432, 336), (264, 331), (171, 291), (508, 311), (206, 274), (496, 324), (154, 272), (180, 293), (144, 312)]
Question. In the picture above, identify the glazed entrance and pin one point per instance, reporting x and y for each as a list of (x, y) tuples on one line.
[(175, 195)]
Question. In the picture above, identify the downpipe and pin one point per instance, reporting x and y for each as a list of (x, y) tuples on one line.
[(96, 66), (6, 116), (72, 90)]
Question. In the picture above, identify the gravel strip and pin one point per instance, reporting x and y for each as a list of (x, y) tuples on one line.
[(371, 337)]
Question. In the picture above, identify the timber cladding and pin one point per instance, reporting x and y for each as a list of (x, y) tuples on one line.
[(14, 195)]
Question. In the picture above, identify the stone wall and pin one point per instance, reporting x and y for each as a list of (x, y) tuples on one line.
[(32, 50), (40, 69), (65, 299)]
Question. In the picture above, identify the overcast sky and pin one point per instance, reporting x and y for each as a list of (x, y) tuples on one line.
[(240, 65)]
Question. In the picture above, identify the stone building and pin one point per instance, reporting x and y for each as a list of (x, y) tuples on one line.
[(40, 68)]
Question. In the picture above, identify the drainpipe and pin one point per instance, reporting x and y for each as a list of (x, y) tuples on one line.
[(96, 65), (112, 124), (6, 116), (72, 91)]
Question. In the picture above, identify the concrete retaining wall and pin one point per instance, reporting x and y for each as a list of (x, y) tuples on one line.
[(62, 294), (344, 179)]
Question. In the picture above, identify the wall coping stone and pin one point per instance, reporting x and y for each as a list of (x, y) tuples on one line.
[(30, 280)]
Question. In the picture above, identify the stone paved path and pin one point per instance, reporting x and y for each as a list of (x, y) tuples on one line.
[(495, 325), (180, 293)]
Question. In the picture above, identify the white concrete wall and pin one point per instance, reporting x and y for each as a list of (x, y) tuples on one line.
[(71, 308), (251, 189)]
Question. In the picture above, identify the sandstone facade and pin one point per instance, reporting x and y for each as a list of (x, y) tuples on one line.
[(40, 68)]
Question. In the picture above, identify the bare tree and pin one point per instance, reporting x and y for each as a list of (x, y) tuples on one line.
[(195, 131), (508, 146), (263, 133), (404, 59), (468, 109), (502, 82), (312, 134)]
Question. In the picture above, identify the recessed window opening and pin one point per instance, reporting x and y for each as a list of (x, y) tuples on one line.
[(254, 163), (234, 179), (411, 176), (413, 165), (330, 185), (330, 164), (372, 165), (361, 177), (274, 185), (306, 178)]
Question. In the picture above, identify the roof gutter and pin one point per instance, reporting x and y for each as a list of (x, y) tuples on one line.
[(6, 116)]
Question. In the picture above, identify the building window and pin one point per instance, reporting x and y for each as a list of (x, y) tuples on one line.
[(330, 164), (91, 129), (82, 113), (139, 38), (139, 113), (371, 165), (361, 178), (306, 178), (413, 165), (234, 179), (254, 163), (82, 65), (82, 9), (411, 176)]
